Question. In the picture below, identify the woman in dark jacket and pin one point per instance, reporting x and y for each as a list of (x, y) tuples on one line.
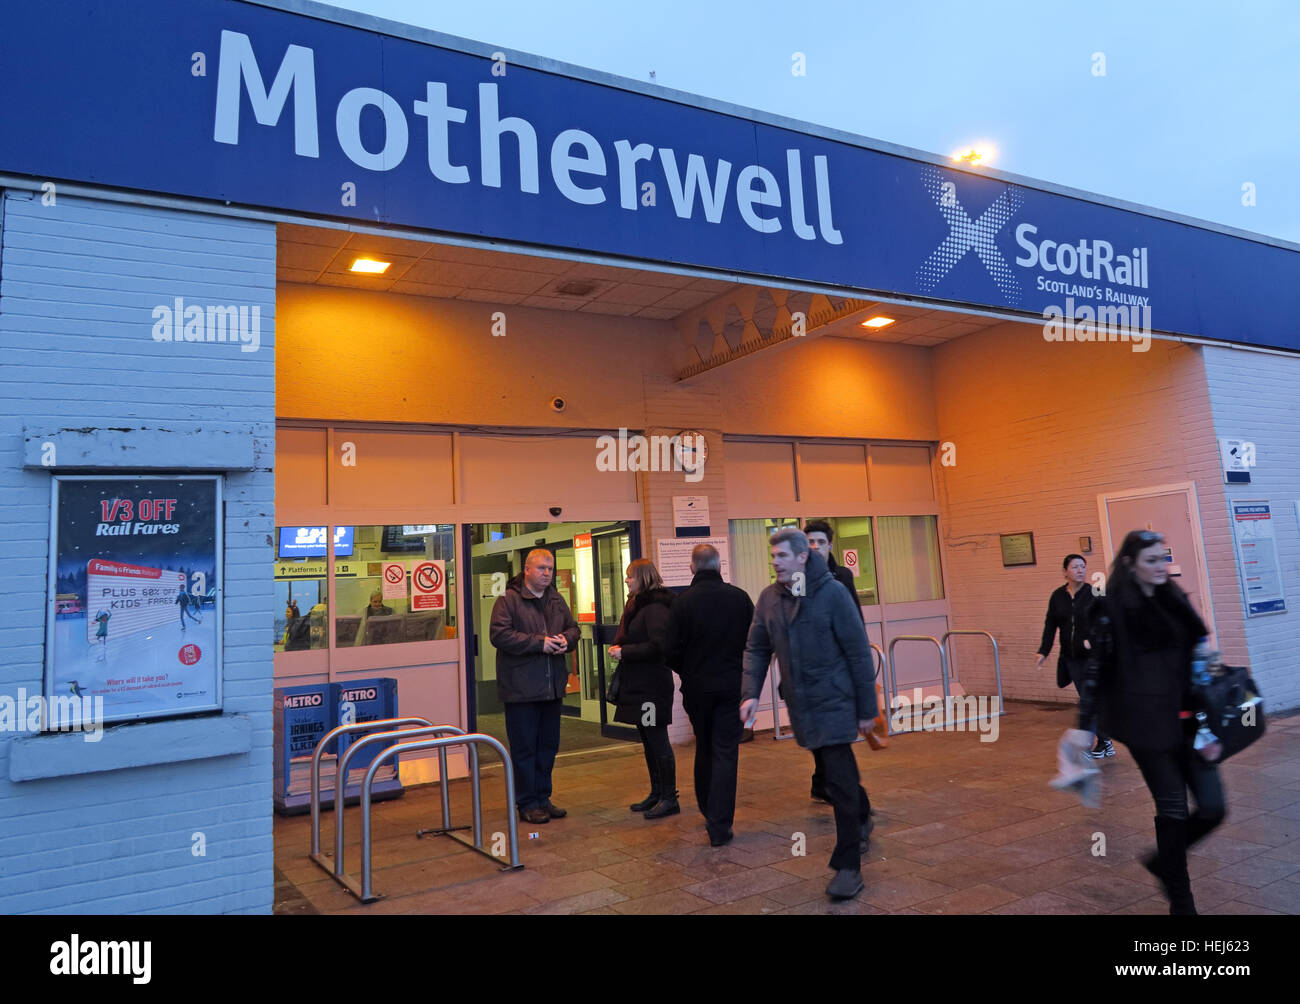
[(1143, 634), (645, 697)]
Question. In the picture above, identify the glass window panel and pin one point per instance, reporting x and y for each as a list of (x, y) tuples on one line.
[(751, 559), (364, 615), (301, 616), (909, 559), (853, 533)]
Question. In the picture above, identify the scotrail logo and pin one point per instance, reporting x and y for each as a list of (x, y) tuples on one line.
[(965, 234)]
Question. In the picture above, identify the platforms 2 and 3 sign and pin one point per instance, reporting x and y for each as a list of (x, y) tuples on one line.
[(133, 612)]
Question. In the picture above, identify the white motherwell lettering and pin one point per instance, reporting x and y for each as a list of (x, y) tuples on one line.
[(697, 179), (829, 234), (564, 163), (769, 195), (797, 218), (491, 126), (628, 157), (347, 123), (297, 70), (440, 115)]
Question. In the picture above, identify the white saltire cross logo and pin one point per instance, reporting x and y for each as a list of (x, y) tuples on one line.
[(964, 235)]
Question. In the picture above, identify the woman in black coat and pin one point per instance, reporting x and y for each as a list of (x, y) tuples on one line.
[(645, 697), (1143, 635)]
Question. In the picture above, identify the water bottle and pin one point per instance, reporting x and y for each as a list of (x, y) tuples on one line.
[(1206, 742), (1200, 663)]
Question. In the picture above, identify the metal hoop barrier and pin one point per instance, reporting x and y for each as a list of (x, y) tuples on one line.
[(319, 751), (893, 671), (997, 669), (365, 893), (878, 653), (345, 765), (777, 734)]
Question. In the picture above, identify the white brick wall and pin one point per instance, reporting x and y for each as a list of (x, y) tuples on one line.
[(78, 283), (1041, 429), (1254, 397)]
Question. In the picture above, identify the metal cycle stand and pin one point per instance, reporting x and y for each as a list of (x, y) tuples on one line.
[(777, 734), (997, 669), (379, 737), (340, 795), (365, 893), (893, 671)]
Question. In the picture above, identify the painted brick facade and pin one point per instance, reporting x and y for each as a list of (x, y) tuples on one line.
[(78, 282), (1253, 396), (1041, 429)]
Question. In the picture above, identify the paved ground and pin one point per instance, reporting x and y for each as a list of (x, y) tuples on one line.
[(962, 827)]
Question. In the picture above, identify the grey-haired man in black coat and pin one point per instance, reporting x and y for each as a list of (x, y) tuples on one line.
[(815, 630)]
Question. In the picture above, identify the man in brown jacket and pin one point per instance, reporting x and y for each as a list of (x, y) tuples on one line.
[(532, 629)]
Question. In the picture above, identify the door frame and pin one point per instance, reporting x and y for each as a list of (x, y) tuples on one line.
[(1188, 488), (632, 528)]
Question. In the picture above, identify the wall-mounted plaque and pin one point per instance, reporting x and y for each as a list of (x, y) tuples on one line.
[(1017, 549)]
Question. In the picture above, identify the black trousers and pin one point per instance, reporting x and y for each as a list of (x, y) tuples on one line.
[(716, 721), (846, 795), (533, 730), (1169, 775), (1076, 668), (819, 786)]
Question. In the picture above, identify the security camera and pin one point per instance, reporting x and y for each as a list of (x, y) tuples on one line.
[(558, 404), (555, 511)]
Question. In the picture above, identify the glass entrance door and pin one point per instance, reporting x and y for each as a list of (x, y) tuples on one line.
[(611, 553), (590, 561)]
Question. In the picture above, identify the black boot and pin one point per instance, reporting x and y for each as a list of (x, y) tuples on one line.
[(652, 799), (667, 790), (1171, 864)]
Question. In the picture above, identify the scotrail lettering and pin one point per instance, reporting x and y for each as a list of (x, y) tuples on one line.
[(1095, 259), (579, 162)]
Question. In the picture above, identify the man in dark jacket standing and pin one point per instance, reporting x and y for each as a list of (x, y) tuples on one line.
[(1068, 611), (815, 629), (710, 625), (532, 628)]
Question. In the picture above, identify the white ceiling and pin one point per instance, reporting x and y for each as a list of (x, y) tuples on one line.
[(324, 257)]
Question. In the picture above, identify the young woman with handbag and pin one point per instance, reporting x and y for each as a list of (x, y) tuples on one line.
[(1143, 634), (645, 683)]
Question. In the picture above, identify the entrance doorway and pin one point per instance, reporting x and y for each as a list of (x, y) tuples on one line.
[(1173, 511), (591, 559)]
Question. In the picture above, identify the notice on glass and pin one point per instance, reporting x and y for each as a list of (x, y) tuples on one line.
[(133, 611), (1261, 575), (675, 558)]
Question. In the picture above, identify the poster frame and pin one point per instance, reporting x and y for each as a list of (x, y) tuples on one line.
[(51, 585)]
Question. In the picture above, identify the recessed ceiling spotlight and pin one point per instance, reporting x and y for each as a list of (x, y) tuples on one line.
[(371, 266), (879, 321)]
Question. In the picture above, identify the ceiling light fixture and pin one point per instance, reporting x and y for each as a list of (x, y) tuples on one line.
[(370, 266), (879, 321)]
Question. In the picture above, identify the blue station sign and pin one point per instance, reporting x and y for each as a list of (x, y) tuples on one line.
[(232, 101)]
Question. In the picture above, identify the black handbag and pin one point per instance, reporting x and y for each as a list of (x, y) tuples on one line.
[(1234, 709), (613, 687)]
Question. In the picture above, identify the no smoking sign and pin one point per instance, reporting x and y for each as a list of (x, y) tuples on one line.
[(429, 586), (394, 580)]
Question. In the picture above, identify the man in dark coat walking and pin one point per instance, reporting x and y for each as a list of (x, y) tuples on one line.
[(1069, 610), (532, 629), (816, 633), (820, 537), (710, 626)]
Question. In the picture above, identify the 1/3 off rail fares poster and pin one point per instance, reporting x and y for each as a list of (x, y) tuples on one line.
[(134, 611)]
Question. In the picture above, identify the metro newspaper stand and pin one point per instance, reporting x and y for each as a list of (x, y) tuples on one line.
[(303, 715)]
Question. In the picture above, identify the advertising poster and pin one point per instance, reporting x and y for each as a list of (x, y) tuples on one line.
[(133, 613), (1261, 575)]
